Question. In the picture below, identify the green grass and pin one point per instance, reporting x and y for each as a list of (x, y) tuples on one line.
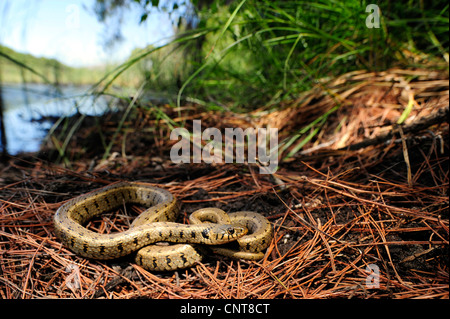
[(254, 53)]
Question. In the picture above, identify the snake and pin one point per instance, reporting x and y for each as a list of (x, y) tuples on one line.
[(209, 229)]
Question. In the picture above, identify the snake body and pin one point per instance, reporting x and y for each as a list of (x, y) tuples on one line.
[(155, 224)]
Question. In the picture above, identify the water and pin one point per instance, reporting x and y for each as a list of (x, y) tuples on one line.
[(30, 111)]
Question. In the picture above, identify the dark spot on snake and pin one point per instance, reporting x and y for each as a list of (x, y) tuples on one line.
[(96, 204), (155, 264), (120, 247), (247, 246), (205, 233), (102, 249), (136, 241), (183, 258), (85, 247), (168, 260), (192, 234), (181, 234)]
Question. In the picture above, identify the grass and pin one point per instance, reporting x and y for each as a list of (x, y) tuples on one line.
[(256, 53), (264, 52)]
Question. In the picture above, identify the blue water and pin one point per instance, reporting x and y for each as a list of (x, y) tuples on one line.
[(24, 104)]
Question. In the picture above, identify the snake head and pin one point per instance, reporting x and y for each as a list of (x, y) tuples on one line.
[(224, 233)]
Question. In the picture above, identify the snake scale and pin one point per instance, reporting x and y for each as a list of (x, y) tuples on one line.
[(212, 227)]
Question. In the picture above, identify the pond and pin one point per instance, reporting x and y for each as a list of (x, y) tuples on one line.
[(30, 111)]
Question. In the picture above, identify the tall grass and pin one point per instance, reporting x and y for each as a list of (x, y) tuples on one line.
[(255, 53)]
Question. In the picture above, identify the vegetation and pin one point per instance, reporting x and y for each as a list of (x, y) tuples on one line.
[(18, 67), (253, 53)]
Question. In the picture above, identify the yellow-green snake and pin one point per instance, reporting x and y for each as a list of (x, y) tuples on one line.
[(210, 226)]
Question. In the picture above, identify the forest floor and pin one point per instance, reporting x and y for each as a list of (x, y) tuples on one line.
[(361, 211)]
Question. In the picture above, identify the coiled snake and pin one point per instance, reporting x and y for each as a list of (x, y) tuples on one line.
[(210, 226)]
